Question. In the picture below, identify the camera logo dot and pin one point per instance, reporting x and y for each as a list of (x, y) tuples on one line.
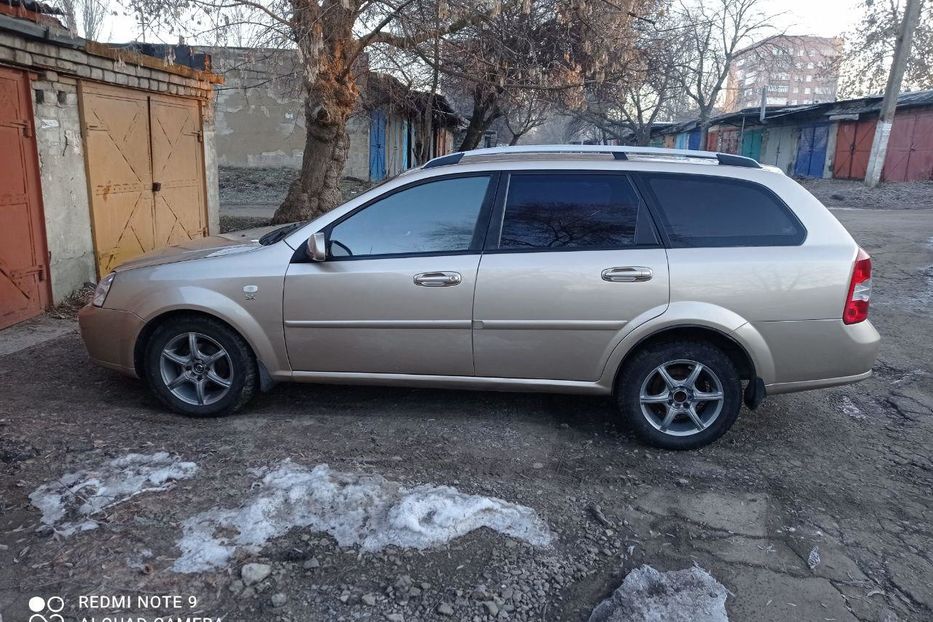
[(36, 604)]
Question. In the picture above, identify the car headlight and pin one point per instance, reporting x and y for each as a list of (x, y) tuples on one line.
[(103, 288)]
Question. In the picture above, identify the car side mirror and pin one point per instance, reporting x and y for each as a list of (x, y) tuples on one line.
[(317, 246)]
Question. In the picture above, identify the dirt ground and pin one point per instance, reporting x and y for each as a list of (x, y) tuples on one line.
[(843, 475)]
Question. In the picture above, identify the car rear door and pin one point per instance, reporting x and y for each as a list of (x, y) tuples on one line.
[(572, 257), (395, 294)]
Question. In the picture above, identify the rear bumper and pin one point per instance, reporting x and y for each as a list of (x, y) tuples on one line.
[(806, 385), (814, 354), (110, 337)]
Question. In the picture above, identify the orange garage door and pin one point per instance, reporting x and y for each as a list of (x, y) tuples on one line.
[(23, 287), (145, 171)]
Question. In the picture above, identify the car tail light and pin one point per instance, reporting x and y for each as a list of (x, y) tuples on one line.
[(859, 290)]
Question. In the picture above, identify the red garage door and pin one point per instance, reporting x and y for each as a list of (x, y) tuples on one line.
[(853, 146), (910, 148), (23, 292)]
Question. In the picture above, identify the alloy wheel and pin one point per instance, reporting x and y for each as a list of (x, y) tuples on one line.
[(681, 397), (196, 369)]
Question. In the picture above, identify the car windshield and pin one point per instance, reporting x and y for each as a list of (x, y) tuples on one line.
[(278, 234)]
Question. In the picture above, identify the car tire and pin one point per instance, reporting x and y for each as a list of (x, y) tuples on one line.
[(219, 378), (682, 407)]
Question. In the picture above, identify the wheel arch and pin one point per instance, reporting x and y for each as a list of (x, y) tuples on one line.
[(733, 349), (142, 339), (730, 332)]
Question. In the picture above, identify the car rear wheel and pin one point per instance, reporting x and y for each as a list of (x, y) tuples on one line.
[(199, 367), (680, 395)]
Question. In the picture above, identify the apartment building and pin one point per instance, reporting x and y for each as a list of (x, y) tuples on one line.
[(795, 69)]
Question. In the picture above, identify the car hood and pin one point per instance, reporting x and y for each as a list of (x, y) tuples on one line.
[(201, 248)]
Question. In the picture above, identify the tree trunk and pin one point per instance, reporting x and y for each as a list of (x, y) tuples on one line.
[(326, 53), (485, 111)]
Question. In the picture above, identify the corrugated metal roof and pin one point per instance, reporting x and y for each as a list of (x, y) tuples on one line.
[(873, 103)]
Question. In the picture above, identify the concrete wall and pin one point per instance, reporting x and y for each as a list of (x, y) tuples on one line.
[(57, 69), (260, 112), (358, 158), (64, 184)]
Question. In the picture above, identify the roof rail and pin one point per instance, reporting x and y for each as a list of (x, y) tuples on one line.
[(617, 152)]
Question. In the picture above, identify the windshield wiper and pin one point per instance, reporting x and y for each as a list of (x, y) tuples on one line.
[(277, 234)]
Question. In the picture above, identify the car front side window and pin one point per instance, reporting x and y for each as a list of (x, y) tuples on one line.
[(438, 216)]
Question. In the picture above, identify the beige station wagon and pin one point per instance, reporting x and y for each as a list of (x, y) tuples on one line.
[(681, 283)]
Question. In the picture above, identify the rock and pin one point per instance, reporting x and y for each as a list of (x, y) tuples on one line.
[(279, 599), (254, 573), (369, 599), (445, 609), (403, 582), (248, 593), (236, 587), (414, 592), (395, 617), (312, 563), (537, 465), (813, 559), (491, 608), (345, 597)]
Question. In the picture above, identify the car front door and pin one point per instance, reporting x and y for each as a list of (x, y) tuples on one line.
[(395, 294), (571, 258)]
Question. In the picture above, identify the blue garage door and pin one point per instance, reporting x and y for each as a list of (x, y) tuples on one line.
[(694, 141), (811, 150), (377, 145)]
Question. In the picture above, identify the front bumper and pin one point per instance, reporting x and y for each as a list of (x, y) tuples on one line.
[(110, 337)]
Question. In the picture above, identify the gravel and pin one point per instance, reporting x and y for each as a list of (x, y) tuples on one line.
[(855, 194)]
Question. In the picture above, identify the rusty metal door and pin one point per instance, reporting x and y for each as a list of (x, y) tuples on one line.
[(177, 170), (910, 147), (853, 147), (23, 283), (145, 171)]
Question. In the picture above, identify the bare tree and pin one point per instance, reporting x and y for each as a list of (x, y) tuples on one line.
[(534, 55), (85, 17), (526, 110), (714, 32), (627, 106), (870, 46)]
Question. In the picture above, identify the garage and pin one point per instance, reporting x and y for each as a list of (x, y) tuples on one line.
[(23, 282), (910, 148), (811, 150), (145, 171), (853, 146)]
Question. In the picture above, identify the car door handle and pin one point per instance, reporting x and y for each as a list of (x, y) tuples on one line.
[(438, 279), (627, 274)]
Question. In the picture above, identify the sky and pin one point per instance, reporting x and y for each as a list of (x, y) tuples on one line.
[(801, 17)]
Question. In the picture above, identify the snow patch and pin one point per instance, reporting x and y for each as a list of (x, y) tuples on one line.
[(356, 509), (849, 408), (646, 595), (69, 503)]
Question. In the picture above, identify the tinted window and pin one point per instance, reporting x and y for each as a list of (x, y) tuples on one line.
[(711, 211), (569, 210), (437, 216)]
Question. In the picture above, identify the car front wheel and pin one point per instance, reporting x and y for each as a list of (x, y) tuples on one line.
[(198, 366), (680, 395)]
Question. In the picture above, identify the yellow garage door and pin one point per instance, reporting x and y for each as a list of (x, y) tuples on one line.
[(145, 171)]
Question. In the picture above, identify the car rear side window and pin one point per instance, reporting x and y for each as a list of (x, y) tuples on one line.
[(573, 211), (700, 211)]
